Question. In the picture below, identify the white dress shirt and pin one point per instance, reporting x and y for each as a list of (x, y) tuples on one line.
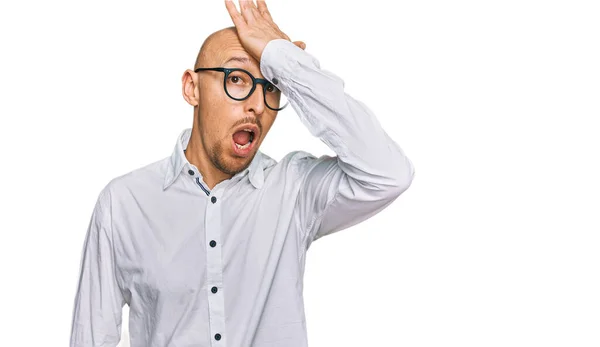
[(225, 267)]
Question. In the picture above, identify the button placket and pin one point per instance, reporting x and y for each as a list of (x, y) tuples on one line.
[(214, 268)]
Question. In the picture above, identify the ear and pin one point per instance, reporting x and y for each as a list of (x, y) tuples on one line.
[(189, 87)]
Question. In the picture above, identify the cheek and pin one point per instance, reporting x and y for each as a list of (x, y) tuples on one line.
[(213, 94), (217, 122), (219, 103), (268, 123)]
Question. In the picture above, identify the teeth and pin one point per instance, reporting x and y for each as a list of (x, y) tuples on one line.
[(244, 146)]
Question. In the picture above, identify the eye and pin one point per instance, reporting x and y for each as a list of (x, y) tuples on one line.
[(271, 88), (235, 79)]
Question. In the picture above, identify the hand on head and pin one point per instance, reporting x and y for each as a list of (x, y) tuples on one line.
[(255, 26)]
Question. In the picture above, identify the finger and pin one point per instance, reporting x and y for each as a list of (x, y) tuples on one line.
[(248, 10), (236, 17), (300, 44), (263, 10)]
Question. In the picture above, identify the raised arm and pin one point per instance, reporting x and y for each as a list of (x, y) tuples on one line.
[(369, 171)]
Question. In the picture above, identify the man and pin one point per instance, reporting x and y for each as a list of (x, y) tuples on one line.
[(207, 246)]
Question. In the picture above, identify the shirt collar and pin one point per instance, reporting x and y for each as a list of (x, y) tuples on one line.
[(178, 161)]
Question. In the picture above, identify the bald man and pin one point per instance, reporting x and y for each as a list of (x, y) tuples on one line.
[(207, 246)]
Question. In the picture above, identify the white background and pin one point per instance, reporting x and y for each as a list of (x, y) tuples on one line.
[(497, 241)]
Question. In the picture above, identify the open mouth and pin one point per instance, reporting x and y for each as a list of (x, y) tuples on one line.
[(243, 140)]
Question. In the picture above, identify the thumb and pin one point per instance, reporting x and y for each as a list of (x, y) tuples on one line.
[(300, 44)]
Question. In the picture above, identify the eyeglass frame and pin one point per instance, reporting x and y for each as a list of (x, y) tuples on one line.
[(255, 81)]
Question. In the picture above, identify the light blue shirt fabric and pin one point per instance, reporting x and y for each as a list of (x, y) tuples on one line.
[(225, 267)]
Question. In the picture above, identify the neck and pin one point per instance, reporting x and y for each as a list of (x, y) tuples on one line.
[(197, 155)]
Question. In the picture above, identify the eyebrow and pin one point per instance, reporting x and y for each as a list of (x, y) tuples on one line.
[(243, 60)]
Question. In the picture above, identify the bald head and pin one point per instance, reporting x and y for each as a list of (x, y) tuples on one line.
[(216, 46)]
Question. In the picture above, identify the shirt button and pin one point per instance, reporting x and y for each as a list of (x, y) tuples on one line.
[(214, 289), (217, 337), (213, 243), (213, 199), (191, 172), (275, 80)]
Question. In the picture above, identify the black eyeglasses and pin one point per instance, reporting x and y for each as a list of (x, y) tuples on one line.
[(239, 84)]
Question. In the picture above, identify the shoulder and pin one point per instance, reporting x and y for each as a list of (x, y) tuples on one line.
[(144, 177)]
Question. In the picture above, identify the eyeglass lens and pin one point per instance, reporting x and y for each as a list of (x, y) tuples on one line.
[(238, 84)]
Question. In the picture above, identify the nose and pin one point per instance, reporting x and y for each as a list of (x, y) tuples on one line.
[(256, 100)]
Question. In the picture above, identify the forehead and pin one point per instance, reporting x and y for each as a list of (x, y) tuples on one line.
[(241, 59), (224, 49)]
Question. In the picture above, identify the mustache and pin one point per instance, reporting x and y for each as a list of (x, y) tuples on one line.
[(246, 120)]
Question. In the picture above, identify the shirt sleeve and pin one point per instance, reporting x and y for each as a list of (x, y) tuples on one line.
[(369, 171), (98, 301)]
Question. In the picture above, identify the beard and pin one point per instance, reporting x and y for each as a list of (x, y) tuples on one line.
[(218, 159)]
